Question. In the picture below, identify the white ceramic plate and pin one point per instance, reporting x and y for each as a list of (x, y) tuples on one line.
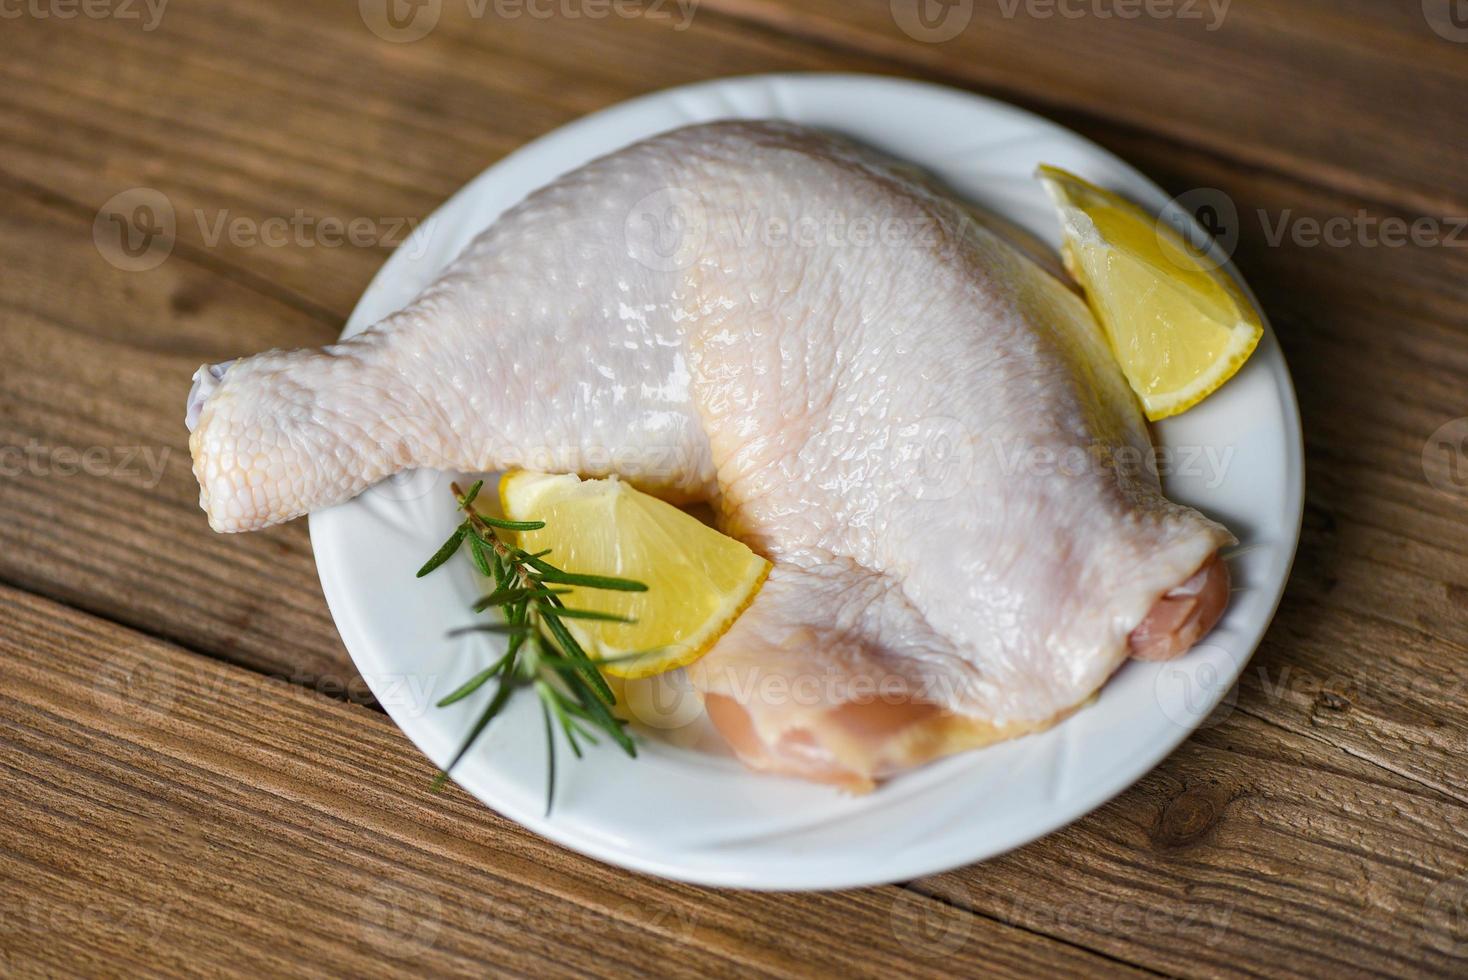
[(685, 809)]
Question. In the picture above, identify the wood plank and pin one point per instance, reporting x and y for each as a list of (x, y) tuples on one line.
[(99, 500), (1250, 851), (172, 815), (1363, 97)]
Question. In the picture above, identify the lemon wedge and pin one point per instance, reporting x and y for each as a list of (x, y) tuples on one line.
[(1178, 324), (698, 580)]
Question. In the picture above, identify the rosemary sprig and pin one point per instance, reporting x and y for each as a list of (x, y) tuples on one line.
[(542, 653)]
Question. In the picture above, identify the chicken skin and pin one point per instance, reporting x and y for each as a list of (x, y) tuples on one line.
[(922, 429)]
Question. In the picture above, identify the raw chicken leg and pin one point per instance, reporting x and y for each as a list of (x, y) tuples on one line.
[(924, 431)]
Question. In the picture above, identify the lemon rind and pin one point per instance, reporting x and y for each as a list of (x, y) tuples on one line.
[(1168, 404), (715, 626), (700, 644)]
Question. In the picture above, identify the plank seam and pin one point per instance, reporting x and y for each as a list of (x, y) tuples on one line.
[(1101, 954), (1437, 792)]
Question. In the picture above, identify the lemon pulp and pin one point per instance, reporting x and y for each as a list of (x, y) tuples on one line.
[(698, 580), (1178, 325)]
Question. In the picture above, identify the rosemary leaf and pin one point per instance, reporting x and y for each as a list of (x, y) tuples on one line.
[(556, 660), (473, 492), (481, 558), (623, 658), (607, 582), (534, 561), (504, 629), (568, 724), (570, 735), (496, 704), (562, 612), (596, 711), (578, 658), (503, 524), (550, 755), (476, 682), (504, 597), (571, 710), (518, 614), (467, 688), (447, 550)]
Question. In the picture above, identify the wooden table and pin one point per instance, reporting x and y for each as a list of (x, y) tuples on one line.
[(190, 782)]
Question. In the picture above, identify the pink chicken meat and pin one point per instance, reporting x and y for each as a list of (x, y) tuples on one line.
[(921, 428)]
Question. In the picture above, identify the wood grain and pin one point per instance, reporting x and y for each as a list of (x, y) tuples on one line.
[(1249, 851), (99, 500), (1362, 97), (1319, 827), (170, 815)]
